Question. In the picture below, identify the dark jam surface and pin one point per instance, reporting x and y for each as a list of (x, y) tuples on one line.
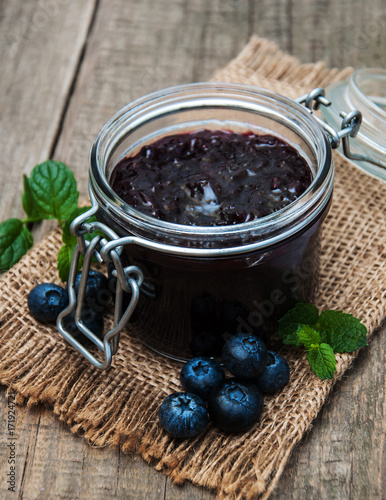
[(212, 177)]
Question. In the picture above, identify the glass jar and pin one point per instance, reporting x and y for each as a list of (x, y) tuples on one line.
[(364, 90), (203, 283)]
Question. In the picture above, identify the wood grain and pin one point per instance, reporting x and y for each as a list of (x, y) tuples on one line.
[(36, 77), (343, 457), (55, 96)]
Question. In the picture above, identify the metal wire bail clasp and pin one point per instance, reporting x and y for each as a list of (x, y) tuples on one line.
[(350, 125), (129, 279)]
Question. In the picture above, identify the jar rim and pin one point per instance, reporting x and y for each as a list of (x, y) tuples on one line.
[(264, 231)]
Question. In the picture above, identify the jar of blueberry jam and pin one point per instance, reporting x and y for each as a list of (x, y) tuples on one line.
[(224, 189)]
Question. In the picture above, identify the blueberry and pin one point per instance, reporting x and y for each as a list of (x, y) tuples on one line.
[(206, 343), (201, 376), (244, 355), (183, 415), (97, 293), (236, 405), (92, 319), (275, 375), (46, 301)]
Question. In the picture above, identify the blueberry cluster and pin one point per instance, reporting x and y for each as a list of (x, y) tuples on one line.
[(234, 404), (47, 300)]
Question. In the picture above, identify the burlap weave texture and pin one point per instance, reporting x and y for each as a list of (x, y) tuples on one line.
[(119, 407)]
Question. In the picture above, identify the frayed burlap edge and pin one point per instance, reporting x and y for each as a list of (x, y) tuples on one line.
[(119, 407)]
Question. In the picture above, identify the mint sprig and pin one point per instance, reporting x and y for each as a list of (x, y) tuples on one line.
[(322, 335), (15, 241), (69, 243), (307, 336), (54, 190), (49, 193), (28, 202), (344, 332), (64, 261), (322, 360), (302, 313)]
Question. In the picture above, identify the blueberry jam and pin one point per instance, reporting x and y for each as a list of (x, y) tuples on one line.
[(212, 177)]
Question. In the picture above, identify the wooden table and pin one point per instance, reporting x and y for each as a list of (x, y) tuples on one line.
[(66, 67)]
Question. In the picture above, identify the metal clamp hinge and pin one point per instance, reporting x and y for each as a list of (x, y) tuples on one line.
[(350, 125), (129, 279)]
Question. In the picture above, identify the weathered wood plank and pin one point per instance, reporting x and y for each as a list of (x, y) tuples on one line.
[(344, 33), (36, 75), (343, 457), (136, 47)]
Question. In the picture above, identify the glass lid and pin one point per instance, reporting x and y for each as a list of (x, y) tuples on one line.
[(364, 90)]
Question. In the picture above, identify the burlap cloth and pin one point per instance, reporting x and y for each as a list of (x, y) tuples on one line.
[(119, 407)]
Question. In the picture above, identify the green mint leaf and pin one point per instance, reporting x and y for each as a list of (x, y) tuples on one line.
[(67, 237), (308, 336), (54, 190), (342, 331), (322, 360), (15, 241), (64, 261), (301, 314), (70, 241), (28, 202)]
